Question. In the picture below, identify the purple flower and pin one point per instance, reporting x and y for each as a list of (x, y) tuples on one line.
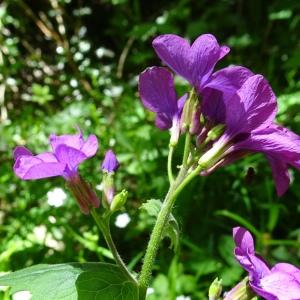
[(282, 282), (157, 92), (68, 151), (193, 62), (110, 163), (247, 105)]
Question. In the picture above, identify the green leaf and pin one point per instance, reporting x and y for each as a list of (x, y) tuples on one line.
[(107, 284), (71, 281), (153, 207)]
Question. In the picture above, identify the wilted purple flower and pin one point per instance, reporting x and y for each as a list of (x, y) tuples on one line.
[(247, 105), (282, 282), (68, 151), (157, 92), (193, 62), (110, 163)]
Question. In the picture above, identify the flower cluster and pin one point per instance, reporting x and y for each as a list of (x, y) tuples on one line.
[(231, 112), (281, 282)]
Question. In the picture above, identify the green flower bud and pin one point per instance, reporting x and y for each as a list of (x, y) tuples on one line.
[(119, 201), (189, 110), (241, 291), (215, 132), (215, 289)]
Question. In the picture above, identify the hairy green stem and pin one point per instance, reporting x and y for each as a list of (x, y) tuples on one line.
[(176, 187), (170, 158), (105, 229)]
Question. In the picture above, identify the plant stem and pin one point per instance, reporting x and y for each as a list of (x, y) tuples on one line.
[(170, 157), (105, 229), (186, 148), (176, 187)]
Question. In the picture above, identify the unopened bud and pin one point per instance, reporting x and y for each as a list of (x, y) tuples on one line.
[(215, 132), (108, 188), (190, 112), (241, 291), (215, 289), (119, 201)]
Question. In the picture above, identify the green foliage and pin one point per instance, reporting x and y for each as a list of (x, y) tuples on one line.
[(72, 281), (68, 63)]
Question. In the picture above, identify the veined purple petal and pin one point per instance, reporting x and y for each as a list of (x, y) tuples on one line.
[(221, 87), (193, 62), (90, 146), (280, 174), (72, 140), (31, 167), (243, 240), (287, 268), (110, 163), (20, 150), (163, 121), (156, 87), (70, 157), (278, 285), (252, 107)]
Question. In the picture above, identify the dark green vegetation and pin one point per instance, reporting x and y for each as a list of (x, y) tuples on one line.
[(68, 63)]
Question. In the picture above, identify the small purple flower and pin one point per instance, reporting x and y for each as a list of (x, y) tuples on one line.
[(68, 151), (282, 282), (110, 163), (157, 92), (247, 106), (193, 62)]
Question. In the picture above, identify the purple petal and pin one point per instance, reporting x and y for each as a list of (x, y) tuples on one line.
[(156, 87), (213, 106), (287, 268), (221, 87), (72, 140), (229, 80), (252, 107), (30, 167), (90, 146), (110, 163), (280, 174), (195, 63), (20, 150), (243, 239), (70, 157), (181, 102), (278, 285), (163, 122)]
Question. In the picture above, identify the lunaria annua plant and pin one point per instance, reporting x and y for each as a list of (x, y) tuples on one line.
[(226, 115)]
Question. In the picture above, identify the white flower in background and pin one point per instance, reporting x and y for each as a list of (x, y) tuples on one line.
[(56, 197), (182, 297), (114, 91), (22, 295), (150, 291), (122, 220)]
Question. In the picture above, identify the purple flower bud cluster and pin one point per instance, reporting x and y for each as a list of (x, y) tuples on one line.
[(234, 96), (68, 152)]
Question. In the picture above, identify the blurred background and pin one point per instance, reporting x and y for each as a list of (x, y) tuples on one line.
[(68, 63)]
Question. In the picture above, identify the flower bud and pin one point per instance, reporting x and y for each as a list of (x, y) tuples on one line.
[(240, 292), (215, 132), (108, 188), (83, 193), (215, 289), (110, 163), (119, 201), (190, 118)]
